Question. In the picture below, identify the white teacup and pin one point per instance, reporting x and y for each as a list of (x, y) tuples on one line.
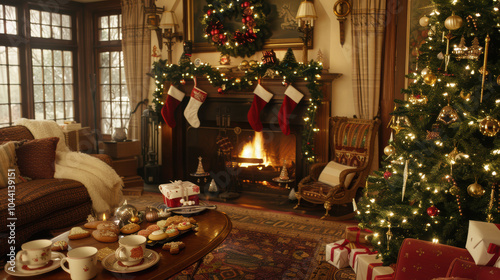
[(35, 253), (131, 250), (82, 263)]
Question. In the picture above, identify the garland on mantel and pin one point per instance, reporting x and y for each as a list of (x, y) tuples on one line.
[(177, 74)]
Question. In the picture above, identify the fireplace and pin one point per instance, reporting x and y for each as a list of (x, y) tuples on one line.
[(252, 158)]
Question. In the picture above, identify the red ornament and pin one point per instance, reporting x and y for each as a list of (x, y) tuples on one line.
[(209, 12), (183, 82), (249, 18), (243, 20), (216, 31), (219, 90), (432, 211), (246, 4), (387, 175)]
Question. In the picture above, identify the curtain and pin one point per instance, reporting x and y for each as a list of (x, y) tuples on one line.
[(136, 45), (368, 25)]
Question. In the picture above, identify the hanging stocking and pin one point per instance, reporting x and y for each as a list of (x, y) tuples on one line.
[(292, 98), (198, 96), (174, 97), (260, 99)]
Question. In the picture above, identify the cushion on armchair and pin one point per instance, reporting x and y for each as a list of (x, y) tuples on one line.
[(331, 174), (36, 158)]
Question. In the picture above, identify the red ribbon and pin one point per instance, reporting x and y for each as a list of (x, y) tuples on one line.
[(494, 249), (386, 276), (370, 270), (340, 246), (366, 252)]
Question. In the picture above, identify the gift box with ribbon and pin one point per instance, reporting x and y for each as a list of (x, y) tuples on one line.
[(366, 266), (483, 243), (357, 235), (178, 193), (353, 256), (337, 253)]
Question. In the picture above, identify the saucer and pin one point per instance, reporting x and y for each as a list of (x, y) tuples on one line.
[(150, 258), (18, 271)]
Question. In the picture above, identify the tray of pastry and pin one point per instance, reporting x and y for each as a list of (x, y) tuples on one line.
[(167, 230)]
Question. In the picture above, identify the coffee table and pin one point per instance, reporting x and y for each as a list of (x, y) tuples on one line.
[(213, 228)]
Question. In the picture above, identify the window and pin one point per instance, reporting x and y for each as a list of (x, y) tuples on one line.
[(46, 91), (115, 104), (10, 86)]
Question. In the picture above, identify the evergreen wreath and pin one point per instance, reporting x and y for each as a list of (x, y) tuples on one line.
[(241, 42)]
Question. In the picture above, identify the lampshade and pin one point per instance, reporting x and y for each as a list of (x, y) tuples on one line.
[(306, 13), (168, 21)]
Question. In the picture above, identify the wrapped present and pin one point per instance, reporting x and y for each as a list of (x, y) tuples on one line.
[(357, 235), (337, 253), (180, 193), (357, 252), (365, 265), (483, 243), (383, 273)]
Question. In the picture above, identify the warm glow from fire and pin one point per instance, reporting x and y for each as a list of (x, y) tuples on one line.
[(254, 149)]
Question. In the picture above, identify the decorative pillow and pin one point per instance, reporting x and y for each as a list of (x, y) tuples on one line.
[(8, 165), (36, 158), (331, 174)]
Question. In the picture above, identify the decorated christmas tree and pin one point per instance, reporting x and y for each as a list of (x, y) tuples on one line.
[(442, 163)]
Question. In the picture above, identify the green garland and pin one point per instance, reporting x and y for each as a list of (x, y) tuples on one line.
[(177, 74), (242, 42)]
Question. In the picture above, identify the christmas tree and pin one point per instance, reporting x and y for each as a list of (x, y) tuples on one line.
[(442, 162)]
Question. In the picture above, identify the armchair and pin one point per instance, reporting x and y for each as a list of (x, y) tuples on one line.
[(352, 145)]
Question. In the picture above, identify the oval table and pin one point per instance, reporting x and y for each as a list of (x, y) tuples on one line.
[(213, 228)]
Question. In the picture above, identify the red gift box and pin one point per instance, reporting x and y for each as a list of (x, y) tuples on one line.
[(177, 191), (357, 235)]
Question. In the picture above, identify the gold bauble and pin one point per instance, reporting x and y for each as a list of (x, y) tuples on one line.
[(430, 79), (489, 126), (425, 71), (252, 63), (465, 96), (134, 220), (244, 63), (447, 115), (424, 21), (151, 214), (453, 22), (455, 190), (475, 190), (389, 150), (481, 69), (418, 99)]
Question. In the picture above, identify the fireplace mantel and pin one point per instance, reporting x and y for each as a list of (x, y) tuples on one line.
[(173, 140)]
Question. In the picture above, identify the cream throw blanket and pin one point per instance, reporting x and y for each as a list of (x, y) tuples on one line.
[(102, 182)]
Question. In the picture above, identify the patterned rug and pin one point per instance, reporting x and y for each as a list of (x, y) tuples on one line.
[(266, 244)]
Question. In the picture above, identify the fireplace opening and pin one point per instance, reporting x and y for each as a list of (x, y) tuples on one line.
[(242, 159)]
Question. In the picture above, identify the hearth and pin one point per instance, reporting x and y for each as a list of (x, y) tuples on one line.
[(224, 137)]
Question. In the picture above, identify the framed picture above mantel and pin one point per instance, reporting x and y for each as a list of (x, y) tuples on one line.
[(281, 19)]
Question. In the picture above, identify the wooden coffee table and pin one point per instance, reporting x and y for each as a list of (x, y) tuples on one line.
[(213, 228)]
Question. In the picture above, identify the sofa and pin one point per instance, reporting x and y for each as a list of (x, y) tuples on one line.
[(424, 260), (40, 204)]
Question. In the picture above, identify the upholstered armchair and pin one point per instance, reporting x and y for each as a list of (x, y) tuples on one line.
[(352, 145)]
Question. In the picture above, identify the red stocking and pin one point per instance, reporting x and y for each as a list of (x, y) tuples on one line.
[(174, 97), (292, 98), (260, 99)]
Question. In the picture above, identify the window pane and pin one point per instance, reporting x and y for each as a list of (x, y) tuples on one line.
[(104, 22), (56, 32), (3, 55), (68, 92), (10, 13), (46, 18), (60, 110), (69, 110), (34, 16), (104, 76), (14, 74), (58, 75), (66, 21), (58, 58), (56, 19), (59, 92), (68, 75), (49, 111), (15, 111), (39, 111), (114, 34), (38, 91), (4, 114), (49, 93), (66, 34), (113, 21), (15, 94), (103, 35), (13, 56), (104, 59), (46, 31), (48, 75), (68, 58), (4, 74), (35, 30), (11, 27), (37, 75), (47, 57), (4, 98), (115, 75)]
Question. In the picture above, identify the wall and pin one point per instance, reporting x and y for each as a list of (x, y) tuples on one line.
[(336, 58)]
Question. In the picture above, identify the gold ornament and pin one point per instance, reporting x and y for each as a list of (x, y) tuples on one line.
[(475, 190), (489, 126), (425, 71), (418, 99), (481, 69), (455, 190), (134, 220), (453, 22), (453, 155), (237, 80), (430, 78), (424, 21), (152, 214), (252, 63), (448, 115), (465, 96), (389, 150)]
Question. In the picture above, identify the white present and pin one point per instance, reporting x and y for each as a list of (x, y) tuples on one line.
[(365, 265), (355, 253), (483, 243), (179, 191), (337, 253), (383, 272)]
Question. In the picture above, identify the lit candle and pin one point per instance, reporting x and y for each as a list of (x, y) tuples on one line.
[(104, 216)]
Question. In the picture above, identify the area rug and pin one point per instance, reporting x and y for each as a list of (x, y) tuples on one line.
[(265, 245)]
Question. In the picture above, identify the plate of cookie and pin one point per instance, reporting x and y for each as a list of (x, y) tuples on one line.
[(167, 230)]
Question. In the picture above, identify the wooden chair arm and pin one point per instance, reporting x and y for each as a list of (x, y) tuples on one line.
[(316, 170)]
